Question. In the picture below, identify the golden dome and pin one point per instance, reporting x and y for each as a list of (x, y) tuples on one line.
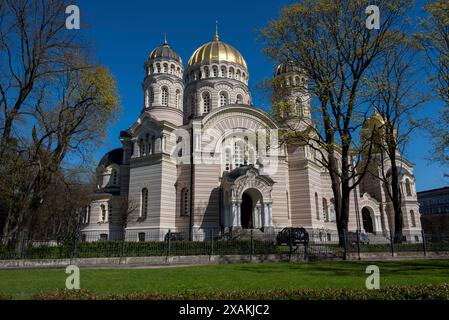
[(376, 121), (216, 51)]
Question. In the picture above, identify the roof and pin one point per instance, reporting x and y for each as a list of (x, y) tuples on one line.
[(165, 52), (434, 190), (112, 157)]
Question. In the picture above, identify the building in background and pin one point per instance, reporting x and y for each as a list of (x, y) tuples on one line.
[(434, 207), (202, 157)]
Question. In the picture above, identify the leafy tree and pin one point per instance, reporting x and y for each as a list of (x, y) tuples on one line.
[(435, 38), (396, 95), (55, 104), (330, 42)]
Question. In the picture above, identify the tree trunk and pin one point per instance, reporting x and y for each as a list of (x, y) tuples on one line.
[(396, 198)]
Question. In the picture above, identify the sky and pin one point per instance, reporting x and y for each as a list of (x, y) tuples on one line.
[(123, 33)]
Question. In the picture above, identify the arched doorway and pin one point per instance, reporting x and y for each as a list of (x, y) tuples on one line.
[(367, 220), (247, 211)]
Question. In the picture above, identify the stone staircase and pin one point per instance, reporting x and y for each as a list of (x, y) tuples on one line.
[(377, 238), (245, 234)]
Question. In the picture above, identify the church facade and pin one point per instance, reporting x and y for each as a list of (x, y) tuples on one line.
[(201, 157)]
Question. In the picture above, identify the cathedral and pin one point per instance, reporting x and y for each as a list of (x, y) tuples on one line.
[(202, 157)]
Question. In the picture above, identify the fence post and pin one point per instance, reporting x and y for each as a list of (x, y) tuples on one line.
[(392, 242), (211, 242), (22, 248), (358, 243), (251, 246), (74, 253), (424, 247), (169, 243)]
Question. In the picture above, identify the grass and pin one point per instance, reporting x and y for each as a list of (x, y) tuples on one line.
[(21, 284)]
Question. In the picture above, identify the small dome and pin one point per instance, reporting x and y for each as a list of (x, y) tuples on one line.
[(165, 52), (216, 51), (286, 68), (112, 157), (375, 121)]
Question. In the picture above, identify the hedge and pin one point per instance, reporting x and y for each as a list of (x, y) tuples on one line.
[(421, 292), (106, 249)]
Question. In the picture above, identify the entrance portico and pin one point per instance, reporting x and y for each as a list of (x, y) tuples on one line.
[(247, 202)]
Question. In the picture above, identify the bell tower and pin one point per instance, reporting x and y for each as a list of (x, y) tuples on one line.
[(291, 99), (164, 85)]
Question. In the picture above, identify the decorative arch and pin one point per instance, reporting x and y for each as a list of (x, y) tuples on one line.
[(369, 209), (250, 202)]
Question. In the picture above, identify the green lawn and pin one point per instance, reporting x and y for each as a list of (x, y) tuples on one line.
[(23, 283)]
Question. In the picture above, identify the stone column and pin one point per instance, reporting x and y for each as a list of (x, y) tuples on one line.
[(233, 214), (239, 214), (136, 149), (270, 214), (256, 217), (265, 215)]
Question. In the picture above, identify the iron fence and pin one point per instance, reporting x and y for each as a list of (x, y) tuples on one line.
[(321, 244)]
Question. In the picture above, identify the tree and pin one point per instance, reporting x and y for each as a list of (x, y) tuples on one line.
[(34, 44), (435, 38), (396, 94), (63, 209), (55, 104), (330, 42)]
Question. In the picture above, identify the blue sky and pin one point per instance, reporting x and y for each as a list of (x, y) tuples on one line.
[(125, 32)]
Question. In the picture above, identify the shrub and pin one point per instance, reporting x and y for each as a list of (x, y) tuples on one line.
[(107, 249), (422, 292)]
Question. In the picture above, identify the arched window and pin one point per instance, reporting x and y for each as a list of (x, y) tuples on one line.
[(239, 99), (408, 187), (179, 145), (227, 159), (412, 218), (149, 143), (164, 96), (297, 81), (165, 68), (103, 213), (185, 202), (215, 71), (142, 148), (110, 213), (114, 177), (144, 203), (325, 210), (178, 99), (298, 107), (223, 72), (231, 73), (238, 75), (206, 72), (151, 96), (238, 153), (158, 67), (147, 98), (172, 69), (206, 102), (223, 99), (317, 208)]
